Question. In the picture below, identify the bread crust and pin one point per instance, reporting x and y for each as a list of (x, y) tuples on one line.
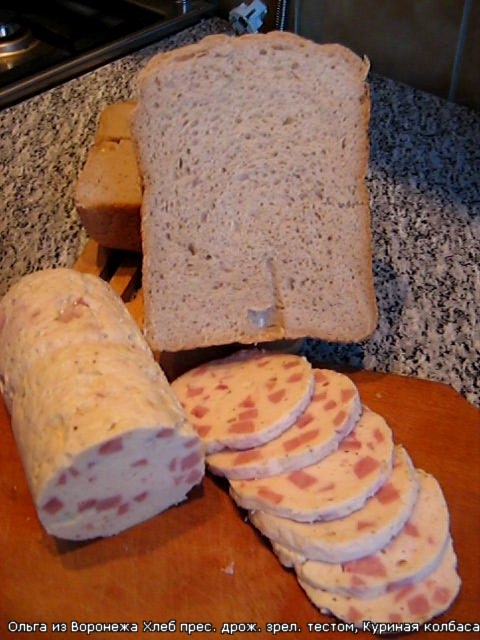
[(114, 122)]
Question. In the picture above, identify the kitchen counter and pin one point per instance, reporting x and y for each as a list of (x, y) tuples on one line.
[(424, 181)]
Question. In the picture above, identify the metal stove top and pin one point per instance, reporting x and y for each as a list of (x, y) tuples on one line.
[(44, 43)]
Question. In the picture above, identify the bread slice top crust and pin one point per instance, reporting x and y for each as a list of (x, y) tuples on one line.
[(255, 216), (114, 122)]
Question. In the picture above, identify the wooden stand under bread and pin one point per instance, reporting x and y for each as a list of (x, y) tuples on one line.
[(252, 217)]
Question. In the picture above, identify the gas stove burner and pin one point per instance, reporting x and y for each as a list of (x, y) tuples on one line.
[(48, 42), (14, 38), (9, 29)]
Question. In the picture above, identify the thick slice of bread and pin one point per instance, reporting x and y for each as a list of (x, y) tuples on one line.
[(108, 193), (255, 217)]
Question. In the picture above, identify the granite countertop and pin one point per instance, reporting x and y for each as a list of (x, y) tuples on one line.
[(424, 181)]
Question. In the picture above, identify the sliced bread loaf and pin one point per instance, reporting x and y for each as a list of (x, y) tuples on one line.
[(255, 216), (108, 193)]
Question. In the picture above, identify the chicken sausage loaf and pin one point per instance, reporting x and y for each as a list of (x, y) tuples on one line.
[(366, 533), (104, 442)]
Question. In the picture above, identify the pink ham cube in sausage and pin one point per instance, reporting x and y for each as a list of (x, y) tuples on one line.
[(411, 603), (245, 400), (332, 413), (408, 558), (359, 534), (332, 488), (103, 440)]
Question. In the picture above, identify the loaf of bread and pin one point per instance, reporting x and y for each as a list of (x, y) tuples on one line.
[(255, 215), (108, 193)]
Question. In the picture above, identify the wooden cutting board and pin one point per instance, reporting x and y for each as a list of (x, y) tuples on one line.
[(201, 562)]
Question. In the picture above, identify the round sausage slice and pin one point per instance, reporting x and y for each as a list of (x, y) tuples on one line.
[(412, 554), (246, 399), (359, 534), (333, 411), (332, 488), (412, 603)]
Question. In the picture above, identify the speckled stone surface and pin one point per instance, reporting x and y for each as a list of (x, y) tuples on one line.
[(424, 181)]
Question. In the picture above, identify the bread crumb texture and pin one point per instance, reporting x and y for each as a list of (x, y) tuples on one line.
[(255, 218)]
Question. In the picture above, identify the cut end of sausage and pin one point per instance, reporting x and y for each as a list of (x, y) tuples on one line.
[(123, 481)]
